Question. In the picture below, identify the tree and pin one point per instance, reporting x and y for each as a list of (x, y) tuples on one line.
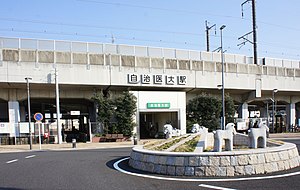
[(105, 108), (205, 110), (125, 110), (229, 109), (116, 114)]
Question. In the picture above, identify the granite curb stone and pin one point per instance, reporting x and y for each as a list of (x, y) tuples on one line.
[(230, 163)]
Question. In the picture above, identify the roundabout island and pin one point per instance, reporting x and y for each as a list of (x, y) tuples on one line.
[(276, 156)]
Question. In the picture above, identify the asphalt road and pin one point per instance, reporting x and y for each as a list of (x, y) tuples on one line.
[(93, 169)]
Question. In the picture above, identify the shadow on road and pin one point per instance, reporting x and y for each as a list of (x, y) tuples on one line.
[(110, 163), (125, 166)]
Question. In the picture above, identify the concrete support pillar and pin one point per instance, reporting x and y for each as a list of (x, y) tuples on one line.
[(263, 112), (22, 114), (3, 112), (13, 115), (14, 111), (243, 111), (136, 129), (291, 115), (93, 113), (182, 122), (297, 114)]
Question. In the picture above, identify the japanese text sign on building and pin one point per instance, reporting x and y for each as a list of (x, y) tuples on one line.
[(157, 79), (158, 105)]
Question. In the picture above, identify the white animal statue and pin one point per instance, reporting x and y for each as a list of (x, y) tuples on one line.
[(226, 135), (258, 136), (169, 131), (198, 129)]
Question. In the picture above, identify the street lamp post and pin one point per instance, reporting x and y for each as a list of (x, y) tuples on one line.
[(29, 114), (273, 108), (223, 91), (267, 113), (59, 133)]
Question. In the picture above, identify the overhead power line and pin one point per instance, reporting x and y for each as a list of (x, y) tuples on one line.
[(97, 26), (108, 36), (189, 12), (157, 8)]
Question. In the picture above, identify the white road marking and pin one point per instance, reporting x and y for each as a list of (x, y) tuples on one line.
[(116, 166), (15, 160), (214, 187), (31, 156), (12, 161)]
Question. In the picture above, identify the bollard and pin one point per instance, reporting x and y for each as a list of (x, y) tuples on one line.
[(74, 143), (135, 141)]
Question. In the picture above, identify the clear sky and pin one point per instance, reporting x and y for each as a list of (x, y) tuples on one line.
[(163, 23)]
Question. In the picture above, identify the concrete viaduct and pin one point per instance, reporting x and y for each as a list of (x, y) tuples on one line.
[(83, 68)]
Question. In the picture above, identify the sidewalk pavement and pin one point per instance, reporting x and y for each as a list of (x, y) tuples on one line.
[(102, 145), (284, 135), (64, 146)]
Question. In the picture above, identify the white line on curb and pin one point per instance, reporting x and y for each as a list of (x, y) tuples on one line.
[(116, 166), (30, 156), (12, 161), (214, 187)]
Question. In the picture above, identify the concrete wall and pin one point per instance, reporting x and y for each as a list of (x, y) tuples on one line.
[(132, 61), (97, 69), (140, 51)]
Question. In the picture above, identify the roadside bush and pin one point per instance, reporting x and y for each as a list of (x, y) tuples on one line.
[(206, 110)]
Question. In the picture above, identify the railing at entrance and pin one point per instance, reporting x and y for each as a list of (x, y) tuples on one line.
[(97, 128), (18, 133)]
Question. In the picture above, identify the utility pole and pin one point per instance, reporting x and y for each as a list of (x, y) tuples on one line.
[(273, 109), (223, 87), (245, 37), (254, 32), (29, 113), (57, 109), (207, 33), (112, 39)]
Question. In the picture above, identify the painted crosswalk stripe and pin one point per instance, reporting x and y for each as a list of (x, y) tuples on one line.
[(31, 156), (12, 161), (214, 187)]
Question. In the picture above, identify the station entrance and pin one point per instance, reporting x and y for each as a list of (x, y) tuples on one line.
[(75, 127), (151, 123)]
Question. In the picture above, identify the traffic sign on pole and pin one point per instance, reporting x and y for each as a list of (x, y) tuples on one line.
[(38, 116)]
